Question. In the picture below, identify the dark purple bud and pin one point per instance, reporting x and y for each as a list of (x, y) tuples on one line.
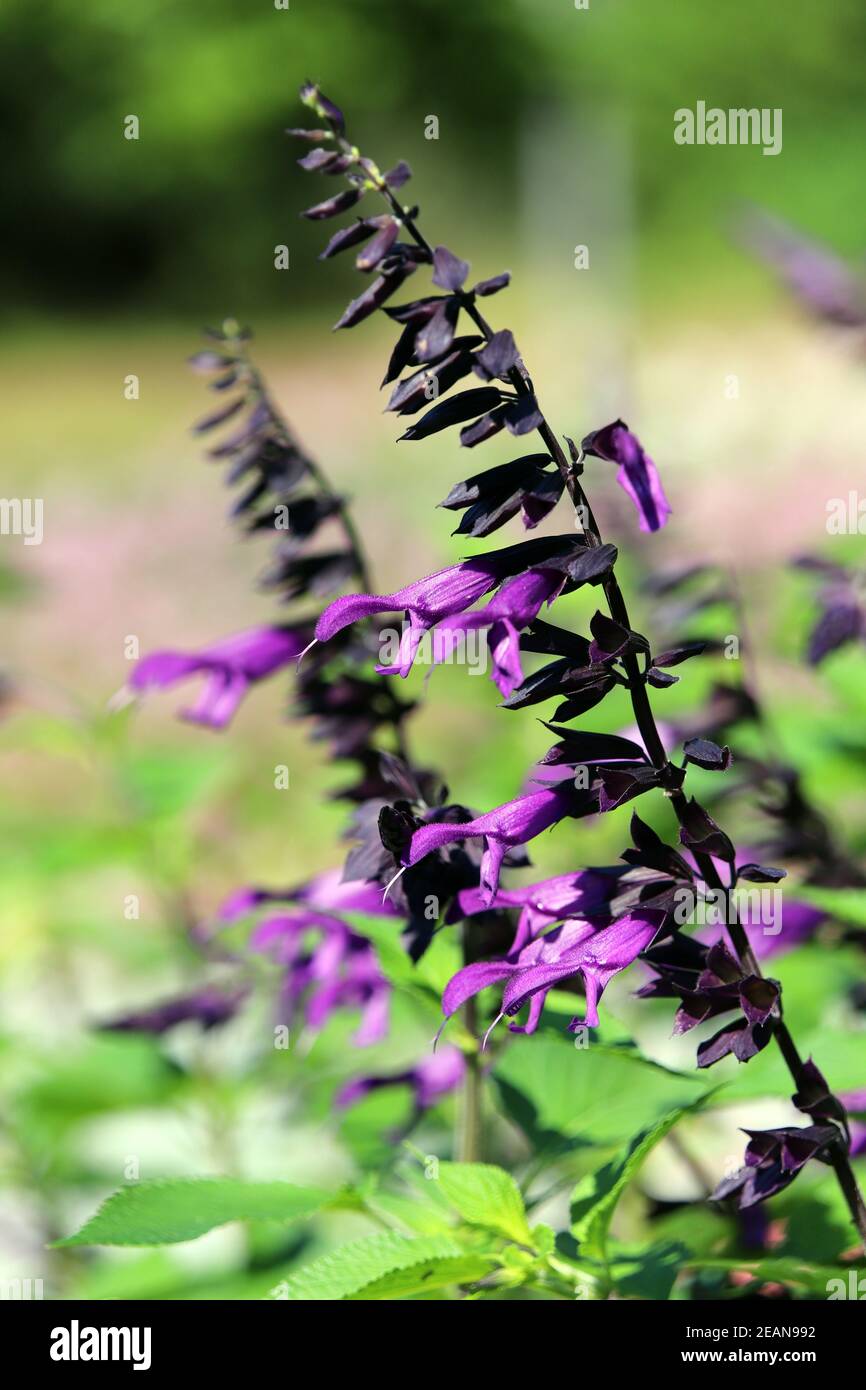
[(437, 334), (332, 207), (311, 96), (577, 747), (367, 303), (449, 273), (757, 873), (400, 174), (210, 422), (452, 411), (350, 236), (425, 386), (382, 242), (523, 416), (610, 639), (660, 679), (320, 160), (839, 623), (498, 357), (493, 285), (679, 654), (704, 753), (591, 564), (701, 834), (484, 428), (208, 361)]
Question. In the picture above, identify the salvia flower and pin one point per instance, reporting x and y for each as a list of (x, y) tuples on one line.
[(514, 823), (512, 608), (208, 1007), (339, 972), (596, 953), (441, 595), (842, 600), (230, 667), (433, 1078), (585, 895), (637, 474)]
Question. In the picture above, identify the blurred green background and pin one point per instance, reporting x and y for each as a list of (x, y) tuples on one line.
[(555, 130)]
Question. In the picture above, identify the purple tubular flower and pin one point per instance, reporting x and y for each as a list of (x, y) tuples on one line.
[(515, 606), (209, 1007), (597, 953), (443, 594), (822, 281), (341, 972), (328, 891), (637, 474), (426, 602), (502, 828), (774, 1157), (434, 1077), (582, 895), (231, 666)]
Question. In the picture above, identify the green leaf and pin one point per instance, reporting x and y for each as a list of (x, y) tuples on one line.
[(595, 1198), (164, 1212), (486, 1196), (425, 1277), (596, 1096), (349, 1270)]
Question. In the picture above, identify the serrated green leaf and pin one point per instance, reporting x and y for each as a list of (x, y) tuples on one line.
[(165, 1212), (487, 1196), (347, 1271), (426, 1277), (595, 1198)]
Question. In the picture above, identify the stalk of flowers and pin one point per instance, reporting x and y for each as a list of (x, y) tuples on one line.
[(584, 671), (324, 965)]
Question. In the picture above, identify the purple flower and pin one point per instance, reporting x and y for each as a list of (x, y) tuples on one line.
[(502, 829), (328, 891), (446, 593), (843, 609), (637, 475), (340, 972), (774, 1157), (209, 1007), (818, 278), (434, 1077), (515, 606), (230, 666), (582, 895), (575, 948)]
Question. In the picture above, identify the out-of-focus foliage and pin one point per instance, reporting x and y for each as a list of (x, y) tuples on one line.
[(189, 213)]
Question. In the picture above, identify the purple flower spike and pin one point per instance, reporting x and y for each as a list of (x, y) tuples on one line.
[(432, 1079), (637, 475), (503, 828), (231, 666)]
